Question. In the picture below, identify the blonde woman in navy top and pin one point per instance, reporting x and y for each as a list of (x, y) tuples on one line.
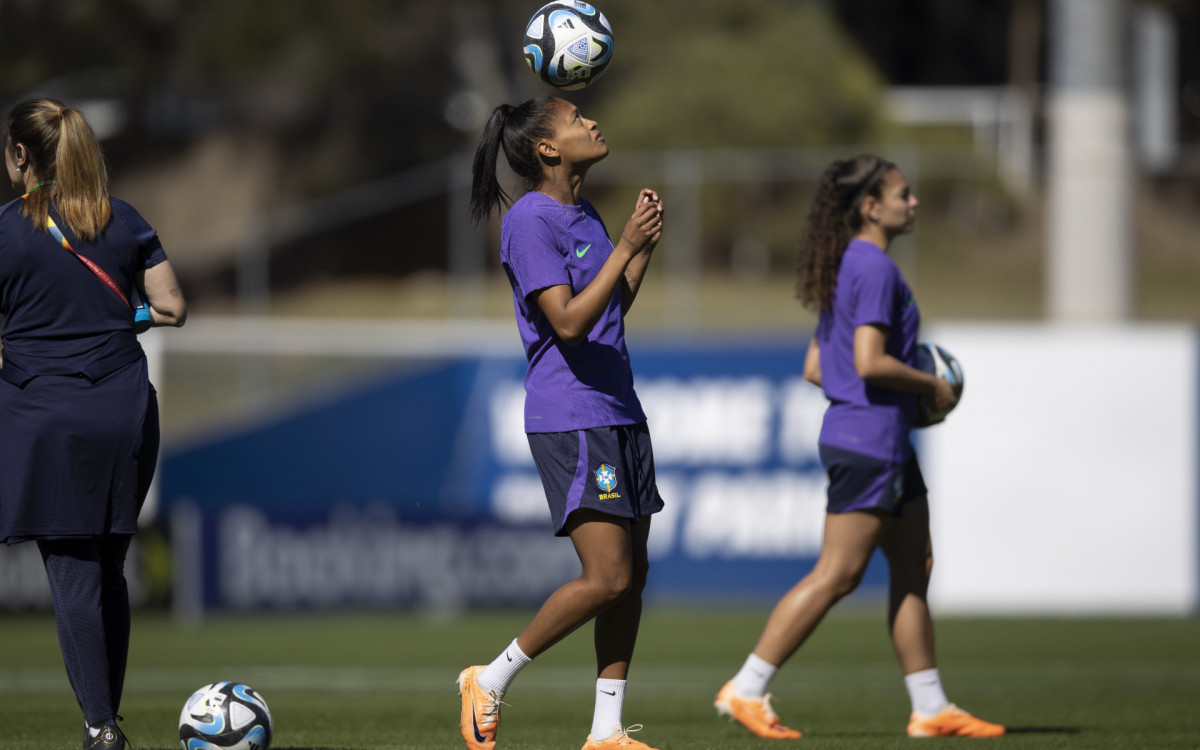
[(571, 288), (78, 415), (863, 355)]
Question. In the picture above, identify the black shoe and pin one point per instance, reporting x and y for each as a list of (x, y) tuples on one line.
[(110, 738)]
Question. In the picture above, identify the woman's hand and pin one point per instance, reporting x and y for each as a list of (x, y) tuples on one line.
[(644, 228), (650, 196), (647, 219), (942, 397), (937, 404)]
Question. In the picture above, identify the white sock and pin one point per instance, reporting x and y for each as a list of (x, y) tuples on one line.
[(610, 700), (925, 692), (94, 730), (752, 679), (498, 675)]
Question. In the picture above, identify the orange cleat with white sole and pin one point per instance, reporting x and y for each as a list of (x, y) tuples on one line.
[(480, 719), (618, 739), (754, 714), (952, 722)]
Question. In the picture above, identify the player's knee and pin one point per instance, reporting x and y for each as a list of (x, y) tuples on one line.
[(617, 590), (842, 581), (612, 585), (847, 583)]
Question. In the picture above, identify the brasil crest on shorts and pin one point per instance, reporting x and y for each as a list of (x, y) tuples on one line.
[(606, 478)]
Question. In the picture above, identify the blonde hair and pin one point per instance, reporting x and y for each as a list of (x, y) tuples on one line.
[(63, 152)]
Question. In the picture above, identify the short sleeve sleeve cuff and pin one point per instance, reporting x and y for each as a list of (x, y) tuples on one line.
[(534, 257)]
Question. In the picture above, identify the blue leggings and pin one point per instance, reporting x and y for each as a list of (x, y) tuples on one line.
[(91, 610)]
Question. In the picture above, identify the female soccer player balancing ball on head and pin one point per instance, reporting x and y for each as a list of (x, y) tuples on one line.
[(571, 289), (78, 415), (862, 356)]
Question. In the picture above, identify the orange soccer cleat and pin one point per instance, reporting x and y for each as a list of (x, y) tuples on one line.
[(618, 740), (480, 717), (753, 713), (952, 722)]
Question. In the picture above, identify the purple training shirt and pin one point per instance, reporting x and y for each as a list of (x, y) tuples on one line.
[(545, 243), (866, 419)]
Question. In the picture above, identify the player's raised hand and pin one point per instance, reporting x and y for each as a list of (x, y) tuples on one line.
[(644, 228), (650, 196)]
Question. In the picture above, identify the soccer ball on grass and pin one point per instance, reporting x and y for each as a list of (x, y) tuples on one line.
[(225, 716)]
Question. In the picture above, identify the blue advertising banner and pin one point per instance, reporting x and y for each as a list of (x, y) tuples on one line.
[(418, 489)]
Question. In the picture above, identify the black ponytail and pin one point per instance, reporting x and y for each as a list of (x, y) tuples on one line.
[(517, 129), (486, 193)]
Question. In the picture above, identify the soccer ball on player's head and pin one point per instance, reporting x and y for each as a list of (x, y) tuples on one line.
[(940, 363), (568, 44), (225, 716)]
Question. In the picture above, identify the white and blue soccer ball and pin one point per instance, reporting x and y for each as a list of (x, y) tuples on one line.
[(226, 716), (568, 44), (940, 363)]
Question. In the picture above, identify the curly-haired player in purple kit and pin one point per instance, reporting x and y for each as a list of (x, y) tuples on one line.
[(571, 289), (863, 356)]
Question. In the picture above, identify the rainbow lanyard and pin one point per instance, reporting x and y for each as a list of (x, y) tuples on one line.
[(57, 234)]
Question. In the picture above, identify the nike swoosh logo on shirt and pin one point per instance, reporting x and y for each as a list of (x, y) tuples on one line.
[(580, 252)]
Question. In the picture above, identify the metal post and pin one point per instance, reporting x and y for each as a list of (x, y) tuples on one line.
[(1155, 87), (1090, 273)]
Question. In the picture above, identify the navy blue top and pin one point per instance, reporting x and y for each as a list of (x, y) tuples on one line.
[(78, 416), (59, 318)]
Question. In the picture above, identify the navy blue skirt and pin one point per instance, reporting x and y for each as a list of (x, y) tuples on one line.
[(76, 456)]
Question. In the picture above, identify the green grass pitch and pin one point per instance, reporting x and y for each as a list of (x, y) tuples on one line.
[(366, 682)]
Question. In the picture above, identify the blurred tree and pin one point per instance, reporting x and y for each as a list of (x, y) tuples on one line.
[(237, 109), (356, 90), (346, 91), (750, 73)]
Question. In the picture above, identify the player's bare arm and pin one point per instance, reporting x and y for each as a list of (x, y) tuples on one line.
[(163, 295), (636, 270), (812, 363), (876, 366), (573, 316)]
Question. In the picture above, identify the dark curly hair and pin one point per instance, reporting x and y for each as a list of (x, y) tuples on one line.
[(832, 220)]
